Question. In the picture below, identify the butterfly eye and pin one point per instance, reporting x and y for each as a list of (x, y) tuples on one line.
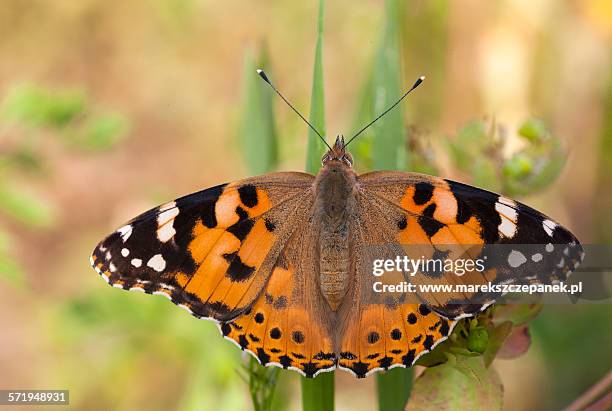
[(347, 159), (325, 159)]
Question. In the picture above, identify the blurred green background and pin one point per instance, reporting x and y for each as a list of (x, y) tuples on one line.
[(108, 109)]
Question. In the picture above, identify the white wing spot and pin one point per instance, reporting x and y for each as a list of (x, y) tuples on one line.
[(166, 232), (125, 252), (516, 259), (550, 248), (537, 257), (166, 216), (561, 263), (549, 226), (136, 262), (112, 267), (165, 222), (508, 214), (157, 263), (107, 255), (125, 232)]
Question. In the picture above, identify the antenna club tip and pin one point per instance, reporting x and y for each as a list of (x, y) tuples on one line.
[(422, 78), (262, 74)]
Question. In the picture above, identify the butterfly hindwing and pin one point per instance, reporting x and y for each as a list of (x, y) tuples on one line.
[(210, 252), (441, 216)]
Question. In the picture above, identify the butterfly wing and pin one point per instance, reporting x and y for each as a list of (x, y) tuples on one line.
[(290, 325), (210, 252), (439, 217), (380, 332)]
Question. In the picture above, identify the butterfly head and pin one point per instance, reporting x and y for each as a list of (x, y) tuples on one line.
[(338, 153)]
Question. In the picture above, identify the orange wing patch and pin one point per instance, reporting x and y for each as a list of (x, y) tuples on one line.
[(380, 337), (278, 330)]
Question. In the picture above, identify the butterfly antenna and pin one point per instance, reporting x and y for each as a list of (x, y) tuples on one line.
[(265, 78), (415, 85)]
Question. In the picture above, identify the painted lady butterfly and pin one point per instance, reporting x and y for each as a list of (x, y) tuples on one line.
[(277, 260)]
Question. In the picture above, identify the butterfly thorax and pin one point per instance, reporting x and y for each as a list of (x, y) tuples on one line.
[(334, 205)]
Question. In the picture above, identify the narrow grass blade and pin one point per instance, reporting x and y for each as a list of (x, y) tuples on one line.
[(317, 393), (258, 136), (316, 147), (388, 150)]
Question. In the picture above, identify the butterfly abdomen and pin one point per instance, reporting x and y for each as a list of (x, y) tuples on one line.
[(334, 206)]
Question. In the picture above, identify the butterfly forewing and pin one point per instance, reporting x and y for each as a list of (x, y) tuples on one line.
[(442, 219), (210, 252)]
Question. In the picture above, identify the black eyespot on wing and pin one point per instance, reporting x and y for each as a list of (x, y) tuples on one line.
[(275, 333), (424, 310), (298, 337), (396, 334), (403, 223)]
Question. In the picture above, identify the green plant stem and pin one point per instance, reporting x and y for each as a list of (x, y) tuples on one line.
[(393, 388), (317, 393)]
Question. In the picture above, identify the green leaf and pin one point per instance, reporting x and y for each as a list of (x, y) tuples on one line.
[(101, 132), (518, 314), (484, 174), (495, 341), (316, 147), (10, 271), (389, 150), (37, 106), (25, 207), (463, 383), (258, 135), (519, 166)]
